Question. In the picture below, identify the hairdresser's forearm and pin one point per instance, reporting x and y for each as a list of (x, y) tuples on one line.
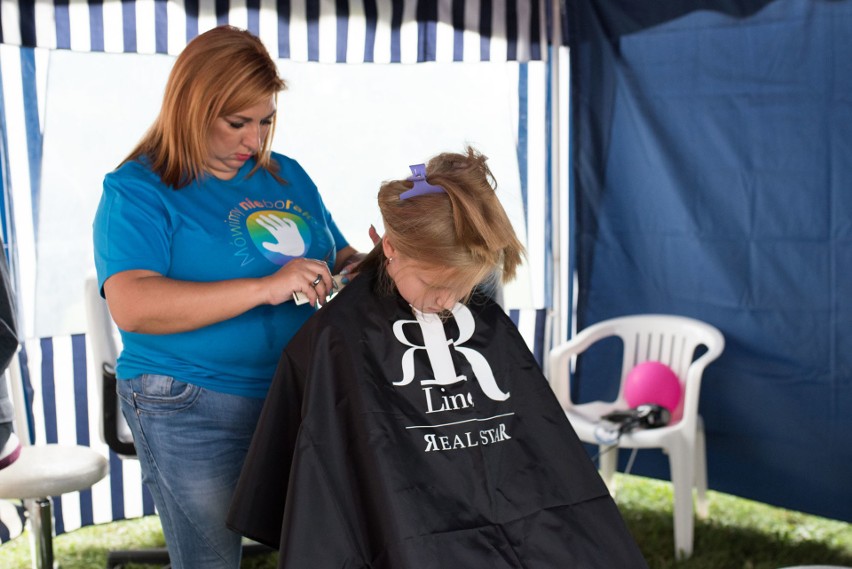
[(149, 303)]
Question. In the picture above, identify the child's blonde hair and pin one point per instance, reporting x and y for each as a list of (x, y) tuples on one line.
[(463, 229)]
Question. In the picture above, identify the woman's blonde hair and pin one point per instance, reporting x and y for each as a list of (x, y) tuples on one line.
[(220, 72), (463, 229)]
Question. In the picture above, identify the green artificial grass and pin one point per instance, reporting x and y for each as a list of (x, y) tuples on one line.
[(738, 534)]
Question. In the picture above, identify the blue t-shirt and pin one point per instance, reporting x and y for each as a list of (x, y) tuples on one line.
[(213, 230)]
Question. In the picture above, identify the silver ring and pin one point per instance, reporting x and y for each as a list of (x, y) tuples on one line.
[(317, 280)]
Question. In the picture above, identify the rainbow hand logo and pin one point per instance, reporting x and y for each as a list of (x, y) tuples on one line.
[(277, 234)]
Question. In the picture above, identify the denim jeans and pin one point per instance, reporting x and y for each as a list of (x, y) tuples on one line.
[(191, 444)]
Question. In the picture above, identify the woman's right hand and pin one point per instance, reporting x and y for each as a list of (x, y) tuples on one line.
[(299, 275)]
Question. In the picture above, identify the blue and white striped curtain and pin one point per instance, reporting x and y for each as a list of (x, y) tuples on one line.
[(59, 371), (341, 31)]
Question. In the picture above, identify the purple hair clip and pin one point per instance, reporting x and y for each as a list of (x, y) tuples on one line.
[(421, 186)]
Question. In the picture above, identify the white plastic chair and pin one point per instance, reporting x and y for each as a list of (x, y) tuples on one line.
[(672, 340), (105, 344), (42, 471)]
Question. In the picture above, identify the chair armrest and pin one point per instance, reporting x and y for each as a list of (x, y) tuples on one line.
[(559, 365), (695, 372), (111, 415)]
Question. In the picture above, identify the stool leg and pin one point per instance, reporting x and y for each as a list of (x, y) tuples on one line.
[(41, 525)]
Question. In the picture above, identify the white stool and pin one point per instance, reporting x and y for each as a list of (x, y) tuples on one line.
[(42, 471), (49, 470)]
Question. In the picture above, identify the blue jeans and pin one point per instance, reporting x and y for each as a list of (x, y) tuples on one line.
[(191, 444)]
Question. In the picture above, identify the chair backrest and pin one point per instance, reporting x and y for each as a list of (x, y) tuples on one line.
[(104, 344), (670, 339), (13, 376)]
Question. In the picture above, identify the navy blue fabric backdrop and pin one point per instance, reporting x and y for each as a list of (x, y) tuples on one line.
[(713, 178)]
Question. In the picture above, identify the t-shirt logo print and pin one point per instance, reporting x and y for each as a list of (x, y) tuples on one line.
[(437, 347), (279, 235)]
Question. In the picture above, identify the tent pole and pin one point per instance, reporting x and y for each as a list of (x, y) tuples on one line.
[(555, 333)]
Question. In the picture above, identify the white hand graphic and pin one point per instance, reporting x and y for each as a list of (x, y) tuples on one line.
[(289, 241)]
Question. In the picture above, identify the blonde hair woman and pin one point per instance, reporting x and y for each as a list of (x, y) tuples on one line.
[(202, 236), (408, 425)]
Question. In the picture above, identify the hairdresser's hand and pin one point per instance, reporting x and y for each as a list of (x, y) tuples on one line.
[(299, 275), (288, 241), (350, 265), (374, 235)]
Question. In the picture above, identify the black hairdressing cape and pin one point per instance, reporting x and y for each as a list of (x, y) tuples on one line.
[(392, 443)]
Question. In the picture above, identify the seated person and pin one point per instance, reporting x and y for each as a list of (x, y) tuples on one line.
[(408, 425)]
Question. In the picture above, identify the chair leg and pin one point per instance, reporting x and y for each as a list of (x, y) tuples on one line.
[(701, 505), (160, 556), (683, 475), (608, 463), (41, 526), (154, 556)]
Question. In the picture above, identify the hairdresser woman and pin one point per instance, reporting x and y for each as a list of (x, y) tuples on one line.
[(201, 239)]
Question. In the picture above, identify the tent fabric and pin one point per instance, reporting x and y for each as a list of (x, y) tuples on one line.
[(59, 369), (334, 31), (712, 179)]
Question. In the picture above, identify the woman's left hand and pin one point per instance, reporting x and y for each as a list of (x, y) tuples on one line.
[(349, 258), (350, 267)]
